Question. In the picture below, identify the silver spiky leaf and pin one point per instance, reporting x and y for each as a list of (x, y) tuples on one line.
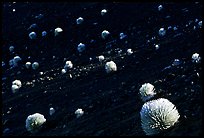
[(34, 122), (158, 115), (147, 91)]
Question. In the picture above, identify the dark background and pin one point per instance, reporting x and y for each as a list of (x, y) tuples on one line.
[(110, 101)]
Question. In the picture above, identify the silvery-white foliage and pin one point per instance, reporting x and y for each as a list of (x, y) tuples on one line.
[(105, 34), (200, 24), (68, 65), (103, 12), (15, 88), (16, 85), (44, 33), (27, 65), (170, 27), (122, 35), (11, 48), (176, 62), (32, 35), (58, 30), (81, 47), (101, 58), (17, 59), (35, 65), (79, 113), (162, 31), (156, 47), (129, 51), (157, 115), (14, 62), (34, 122), (51, 111), (17, 82), (79, 20), (110, 67), (196, 58), (147, 91), (160, 7), (63, 71)]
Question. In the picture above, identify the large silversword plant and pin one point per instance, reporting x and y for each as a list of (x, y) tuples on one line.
[(157, 115), (34, 122)]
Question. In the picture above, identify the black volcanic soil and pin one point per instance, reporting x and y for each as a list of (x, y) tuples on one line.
[(111, 102)]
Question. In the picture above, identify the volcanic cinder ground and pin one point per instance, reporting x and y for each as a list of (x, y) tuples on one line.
[(111, 102)]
